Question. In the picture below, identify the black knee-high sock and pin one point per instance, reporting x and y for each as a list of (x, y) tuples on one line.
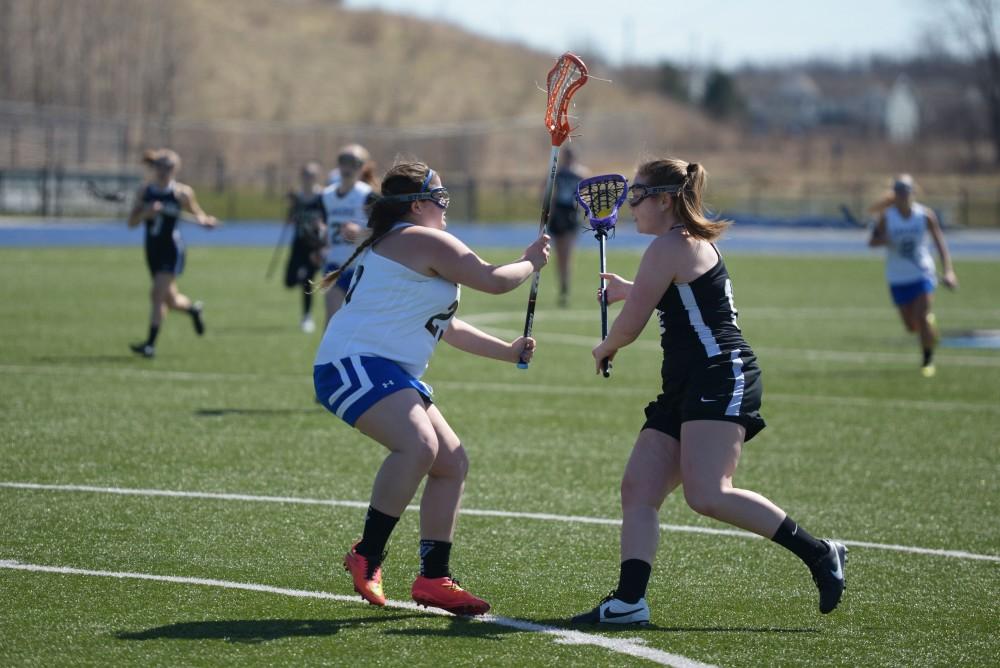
[(154, 330), (378, 526), (928, 355), (307, 300), (632, 580), (793, 537), (434, 556)]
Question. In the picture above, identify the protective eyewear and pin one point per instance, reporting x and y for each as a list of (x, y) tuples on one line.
[(439, 196), (349, 160), (639, 191)]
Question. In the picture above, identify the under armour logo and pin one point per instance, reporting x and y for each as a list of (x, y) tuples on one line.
[(388, 383)]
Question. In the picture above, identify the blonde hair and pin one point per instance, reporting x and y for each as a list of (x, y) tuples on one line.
[(688, 204), (888, 198), (403, 179), (161, 157)]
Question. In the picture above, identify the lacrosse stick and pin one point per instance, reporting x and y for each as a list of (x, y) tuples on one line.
[(601, 197), (277, 250), (564, 79), (116, 196)]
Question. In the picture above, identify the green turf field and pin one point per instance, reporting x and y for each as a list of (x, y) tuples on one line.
[(859, 446)]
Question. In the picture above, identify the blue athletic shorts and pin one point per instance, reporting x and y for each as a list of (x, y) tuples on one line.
[(904, 293), (344, 280), (352, 385)]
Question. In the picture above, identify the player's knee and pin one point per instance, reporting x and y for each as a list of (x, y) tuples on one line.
[(636, 492), (425, 449), (703, 499), (452, 463)]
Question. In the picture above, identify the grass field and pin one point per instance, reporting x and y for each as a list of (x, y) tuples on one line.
[(860, 446)]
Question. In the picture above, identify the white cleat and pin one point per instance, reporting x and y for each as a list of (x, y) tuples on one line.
[(308, 326)]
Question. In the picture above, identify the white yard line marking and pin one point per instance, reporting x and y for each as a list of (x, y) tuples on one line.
[(545, 517), (514, 388), (630, 646)]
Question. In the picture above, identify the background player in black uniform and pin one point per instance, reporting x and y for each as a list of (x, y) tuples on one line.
[(695, 429), (159, 204), (564, 221), (306, 215)]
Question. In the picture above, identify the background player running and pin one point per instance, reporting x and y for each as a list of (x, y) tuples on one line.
[(307, 216), (695, 429), (159, 204), (401, 302), (903, 228)]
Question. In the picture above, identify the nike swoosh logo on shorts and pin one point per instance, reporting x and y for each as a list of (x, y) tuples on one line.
[(608, 614), (706, 401)]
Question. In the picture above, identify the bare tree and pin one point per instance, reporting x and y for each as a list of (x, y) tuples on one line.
[(977, 24)]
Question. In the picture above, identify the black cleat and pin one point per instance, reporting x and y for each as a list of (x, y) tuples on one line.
[(615, 611), (196, 319), (829, 575), (143, 349)]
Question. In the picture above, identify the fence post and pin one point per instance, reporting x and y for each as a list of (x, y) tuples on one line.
[(220, 174), (963, 207), (471, 209)]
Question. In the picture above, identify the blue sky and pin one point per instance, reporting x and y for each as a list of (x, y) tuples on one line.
[(714, 32)]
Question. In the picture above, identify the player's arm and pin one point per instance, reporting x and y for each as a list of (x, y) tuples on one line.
[(470, 339), (934, 227), (878, 237), (651, 281), (140, 211), (449, 258), (190, 204)]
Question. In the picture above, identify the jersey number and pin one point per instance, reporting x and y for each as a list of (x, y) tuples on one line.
[(354, 284), (438, 323)]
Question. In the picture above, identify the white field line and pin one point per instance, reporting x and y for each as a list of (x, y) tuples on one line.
[(631, 646), (512, 388), (545, 517)]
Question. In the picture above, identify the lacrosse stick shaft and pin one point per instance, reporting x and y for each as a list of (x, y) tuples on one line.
[(605, 364), (529, 318), (277, 251)]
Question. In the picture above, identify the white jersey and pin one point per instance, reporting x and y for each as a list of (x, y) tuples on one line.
[(340, 209), (390, 311), (908, 259)]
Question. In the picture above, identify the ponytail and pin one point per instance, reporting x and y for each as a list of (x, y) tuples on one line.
[(689, 205)]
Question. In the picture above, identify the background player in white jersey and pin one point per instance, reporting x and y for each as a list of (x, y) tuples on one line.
[(695, 429), (903, 228), (344, 202), (401, 302), (159, 204)]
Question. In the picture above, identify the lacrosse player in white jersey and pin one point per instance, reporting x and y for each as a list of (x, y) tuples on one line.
[(903, 228), (401, 301), (344, 202)]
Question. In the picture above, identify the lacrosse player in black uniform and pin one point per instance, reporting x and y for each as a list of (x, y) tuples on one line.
[(306, 214), (159, 204), (564, 221), (695, 429)]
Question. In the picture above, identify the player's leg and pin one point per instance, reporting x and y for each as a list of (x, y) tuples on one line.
[(564, 252), (925, 322), (398, 422), (710, 453), (159, 295), (652, 472), (438, 516)]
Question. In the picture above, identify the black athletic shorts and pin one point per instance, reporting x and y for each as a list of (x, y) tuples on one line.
[(563, 221), (301, 267), (726, 387), (165, 258)]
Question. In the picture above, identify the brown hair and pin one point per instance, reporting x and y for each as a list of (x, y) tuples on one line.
[(688, 206), (161, 157), (403, 179)]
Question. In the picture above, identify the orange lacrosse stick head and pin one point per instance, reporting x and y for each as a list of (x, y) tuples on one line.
[(568, 75)]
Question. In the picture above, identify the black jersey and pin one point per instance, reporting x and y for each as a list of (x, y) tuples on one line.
[(161, 231), (565, 189), (307, 213), (698, 320)]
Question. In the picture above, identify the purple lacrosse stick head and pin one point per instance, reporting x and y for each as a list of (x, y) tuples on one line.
[(601, 197)]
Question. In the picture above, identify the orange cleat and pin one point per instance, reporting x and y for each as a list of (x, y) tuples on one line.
[(369, 585), (446, 594)]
